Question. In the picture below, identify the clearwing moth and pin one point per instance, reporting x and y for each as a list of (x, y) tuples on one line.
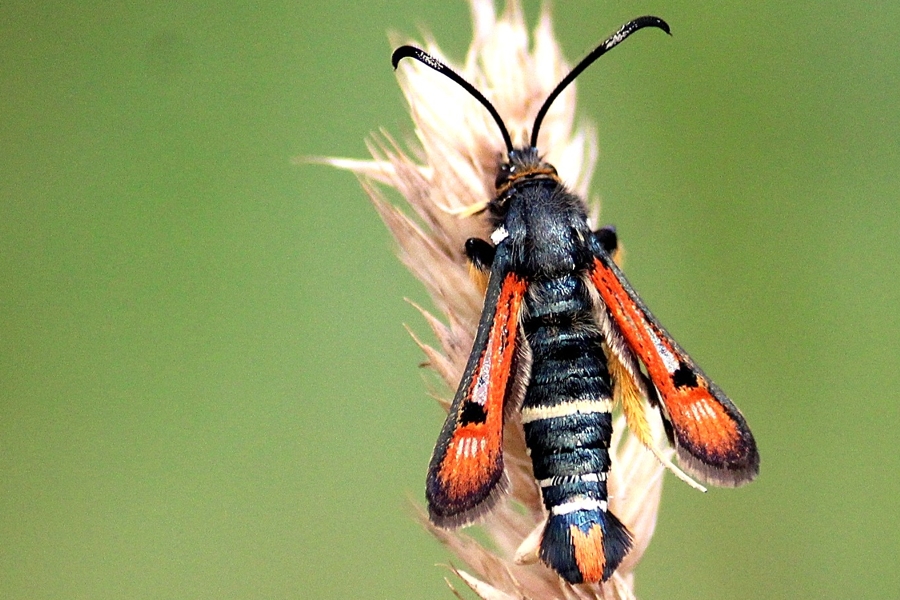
[(560, 331)]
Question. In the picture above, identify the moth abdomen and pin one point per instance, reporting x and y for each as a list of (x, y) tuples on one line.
[(568, 427)]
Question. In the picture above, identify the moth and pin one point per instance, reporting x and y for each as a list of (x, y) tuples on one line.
[(561, 335)]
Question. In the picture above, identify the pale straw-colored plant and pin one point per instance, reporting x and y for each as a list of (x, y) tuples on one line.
[(451, 168)]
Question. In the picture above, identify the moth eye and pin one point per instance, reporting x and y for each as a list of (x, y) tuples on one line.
[(506, 171)]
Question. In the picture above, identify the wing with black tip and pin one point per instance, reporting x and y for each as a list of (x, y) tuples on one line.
[(711, 436), (466, 477)]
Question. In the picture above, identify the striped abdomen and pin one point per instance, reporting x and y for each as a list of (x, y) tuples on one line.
[(568, 425)]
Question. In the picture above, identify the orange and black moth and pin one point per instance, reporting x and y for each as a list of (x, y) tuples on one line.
[(561, 335)]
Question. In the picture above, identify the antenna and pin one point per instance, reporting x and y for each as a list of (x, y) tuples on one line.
[(430, 61), (611, 42)]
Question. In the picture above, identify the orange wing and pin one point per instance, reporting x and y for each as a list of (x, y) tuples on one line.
[(466, 477), (710, 434)]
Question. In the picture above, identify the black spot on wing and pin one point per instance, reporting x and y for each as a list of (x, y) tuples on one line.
[(472, 412), (684, 376)]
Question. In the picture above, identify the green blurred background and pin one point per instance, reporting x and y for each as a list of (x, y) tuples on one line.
[(205, 387)]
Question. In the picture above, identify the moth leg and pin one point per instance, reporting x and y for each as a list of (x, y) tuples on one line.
[(608, 239), (480, 253), (481, 257)]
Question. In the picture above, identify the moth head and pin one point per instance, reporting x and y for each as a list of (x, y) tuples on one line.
[(520, 165)]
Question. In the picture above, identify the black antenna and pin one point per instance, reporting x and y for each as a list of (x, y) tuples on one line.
[(430, 61), (613, 41)]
